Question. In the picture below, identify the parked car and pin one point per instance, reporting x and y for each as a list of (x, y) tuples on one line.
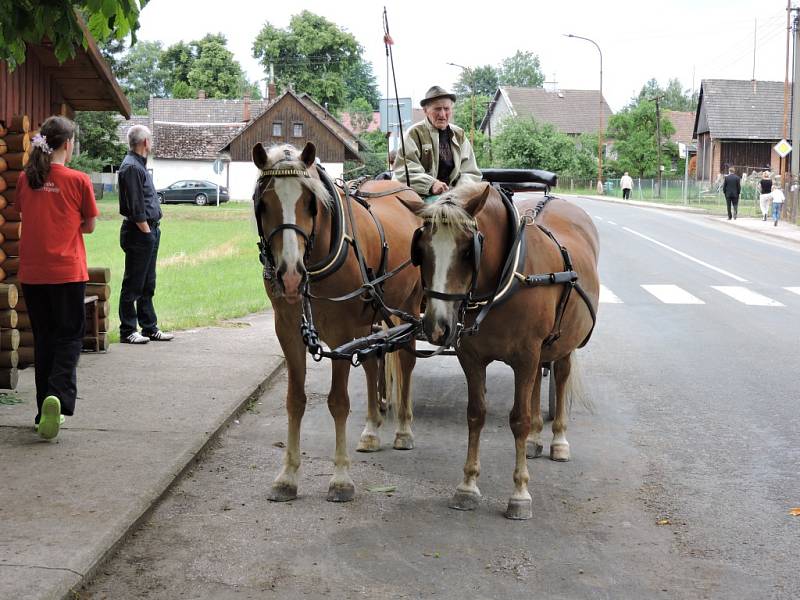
[(193, 190)]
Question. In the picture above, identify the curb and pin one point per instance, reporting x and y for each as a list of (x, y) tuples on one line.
[(765, 234), (169, 481), (640, 204)]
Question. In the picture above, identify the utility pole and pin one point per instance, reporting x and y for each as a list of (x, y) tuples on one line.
[(658, 144), (786, 85), (795, 118)]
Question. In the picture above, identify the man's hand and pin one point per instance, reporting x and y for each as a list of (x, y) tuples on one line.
[(439, 187), (144, 227)]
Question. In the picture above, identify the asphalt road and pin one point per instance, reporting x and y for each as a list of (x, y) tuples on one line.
[(680, 482)]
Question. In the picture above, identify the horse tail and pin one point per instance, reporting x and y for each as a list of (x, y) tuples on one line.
[(394, 381), (575, 390)]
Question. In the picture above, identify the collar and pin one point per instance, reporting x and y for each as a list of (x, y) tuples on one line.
[(142, 160)]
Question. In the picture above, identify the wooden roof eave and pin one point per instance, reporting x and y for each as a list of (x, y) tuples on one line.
[(104, 71)]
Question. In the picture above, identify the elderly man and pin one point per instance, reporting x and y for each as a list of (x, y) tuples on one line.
[(437, 153), (139, 238)]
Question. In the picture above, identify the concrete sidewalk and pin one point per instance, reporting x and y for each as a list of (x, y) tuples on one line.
[(142, 416)]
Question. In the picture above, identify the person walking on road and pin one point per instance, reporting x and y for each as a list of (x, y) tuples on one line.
[(626, 183), (765, 186), (57, 206), (732, 188), (139, 238), (777, 201)]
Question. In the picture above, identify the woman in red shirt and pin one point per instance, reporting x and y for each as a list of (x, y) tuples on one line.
[(58, 206)]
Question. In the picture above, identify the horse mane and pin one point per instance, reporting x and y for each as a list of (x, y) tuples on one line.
[(289, 157), (448, 209)]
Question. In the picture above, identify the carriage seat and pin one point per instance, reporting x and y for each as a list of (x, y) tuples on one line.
[(506, 176)]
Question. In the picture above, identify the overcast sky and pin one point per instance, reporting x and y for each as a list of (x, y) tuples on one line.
[(640, 39)]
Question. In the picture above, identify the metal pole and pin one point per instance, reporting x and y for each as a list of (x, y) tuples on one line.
[(795, 118), (786, 86), (686, 177)]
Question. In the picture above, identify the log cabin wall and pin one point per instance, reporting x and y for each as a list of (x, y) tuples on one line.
[(288, 111), (29, 90)]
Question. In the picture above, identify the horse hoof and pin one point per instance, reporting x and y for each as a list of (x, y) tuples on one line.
[(559, 452), (368, 443), (403, 442), (519, 510), (282, 492), (533, 450), (465, 500), (341, 492)]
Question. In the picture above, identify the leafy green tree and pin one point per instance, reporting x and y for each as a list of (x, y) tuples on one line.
[(526, 144), (29, 21), (522, 70), (360, 83), (176, 62), (360, 114), (140, 74), (673, 97), (312, 55), (463, 111), (477, 80), (634, 133), (97, 135), (217, 72)]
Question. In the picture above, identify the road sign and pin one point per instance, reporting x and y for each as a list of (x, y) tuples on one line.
[(219, 166), (388, 110), (782, 148), (681, 150)]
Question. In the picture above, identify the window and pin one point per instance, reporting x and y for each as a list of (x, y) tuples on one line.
[(277, 129), (297, 130)]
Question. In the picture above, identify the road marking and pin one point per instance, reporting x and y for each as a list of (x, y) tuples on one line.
[(608, 297), (611, 222), (599, 218), (684, 255), (746, 296), (794, 290), (672, 294)]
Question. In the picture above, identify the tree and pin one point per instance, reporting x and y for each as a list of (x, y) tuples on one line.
[(29, 21), (176, 62), (314, 56), (140, 74), (360, 83), (522, 70), (217, 72), (524, 143), (97, 135), (463, 111), (673, 97), (360, 114), (634, 133), (477, 80)]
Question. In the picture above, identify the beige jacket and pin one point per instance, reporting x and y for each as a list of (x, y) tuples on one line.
[(422, 157)]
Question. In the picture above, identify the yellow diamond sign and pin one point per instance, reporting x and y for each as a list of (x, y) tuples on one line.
[(782, 148)]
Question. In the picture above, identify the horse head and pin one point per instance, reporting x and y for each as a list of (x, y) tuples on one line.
[(286, 201), (448, 249)]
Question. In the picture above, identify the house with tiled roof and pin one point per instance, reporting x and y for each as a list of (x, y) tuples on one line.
[(683, 122), (737, 123), (573, 112)]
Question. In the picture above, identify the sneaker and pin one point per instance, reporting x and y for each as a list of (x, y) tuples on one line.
[(135, 338), (50, 420), (60, 422), (160, 336)]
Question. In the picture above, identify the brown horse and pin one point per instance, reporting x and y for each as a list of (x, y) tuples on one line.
[(463, 251), (308, 246)]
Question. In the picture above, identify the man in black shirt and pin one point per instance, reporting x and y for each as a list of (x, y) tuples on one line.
[(139, 238), (732, 188)]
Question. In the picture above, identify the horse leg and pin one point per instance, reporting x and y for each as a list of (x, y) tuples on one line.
[(285, 485), (467, 493), (519, 505), (370, 440), (559, 448), (403, 401), (341, 488), (534, 445)]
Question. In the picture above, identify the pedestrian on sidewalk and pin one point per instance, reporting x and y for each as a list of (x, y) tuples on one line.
[(139, 238), (766, 194), (777, 200), (57, 206), (732, 188), (626, 183)]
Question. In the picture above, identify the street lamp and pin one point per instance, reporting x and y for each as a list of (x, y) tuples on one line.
[(472, 101), (600, 132)]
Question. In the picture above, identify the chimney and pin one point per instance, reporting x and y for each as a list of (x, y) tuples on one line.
[(271, 92), (201, 94), (246, 108)]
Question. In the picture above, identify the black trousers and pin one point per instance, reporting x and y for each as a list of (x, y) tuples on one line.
[(626, 193), (732, 202), (58, 320), (139, 280)]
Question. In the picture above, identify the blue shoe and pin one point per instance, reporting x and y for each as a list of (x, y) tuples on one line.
[(50, 420)]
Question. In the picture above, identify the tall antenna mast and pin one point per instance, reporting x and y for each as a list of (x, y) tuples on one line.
[(755, 36)]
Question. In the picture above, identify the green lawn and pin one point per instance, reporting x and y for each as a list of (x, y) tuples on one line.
[(208, 267)]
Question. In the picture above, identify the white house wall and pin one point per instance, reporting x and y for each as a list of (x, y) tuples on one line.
[(500, 111)]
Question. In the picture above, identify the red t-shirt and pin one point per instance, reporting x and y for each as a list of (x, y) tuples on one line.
[(51, 249)]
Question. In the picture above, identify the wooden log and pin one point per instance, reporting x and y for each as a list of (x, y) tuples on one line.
[(103, 308), (19, 124), (103, 323), (25, 337), (3, 164), (11, 177), (10, 247), (3, 201), (3, 255), (15, 160), (10, 265), (10, 194), (13, 280), (21, 306), (101, 290), (3, 145), (98, 344), (8, 319), (9, 359), (25, 356), (9, 296), (18, 142), (9, 339), (10, 213), (99, 275), (3, 186), (9, 379), (11, 230), (23, 320)]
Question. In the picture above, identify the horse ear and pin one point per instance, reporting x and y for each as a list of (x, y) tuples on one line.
[(412, 202), (309, 154), (474, 204), (259, 156)]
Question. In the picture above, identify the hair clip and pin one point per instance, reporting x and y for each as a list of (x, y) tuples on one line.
[(40, 141)]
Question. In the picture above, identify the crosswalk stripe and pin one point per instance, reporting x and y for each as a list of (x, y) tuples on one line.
[(607, 296), (746, 296), (672, 294), (611, 222), (794, 290)]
